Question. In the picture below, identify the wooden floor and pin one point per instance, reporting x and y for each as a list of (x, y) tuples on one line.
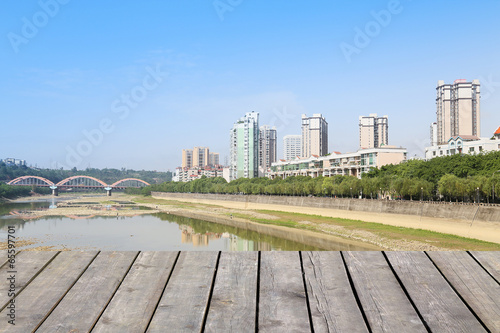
[(253, 291)]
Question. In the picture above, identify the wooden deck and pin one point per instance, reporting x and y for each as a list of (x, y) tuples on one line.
[(253, 291)]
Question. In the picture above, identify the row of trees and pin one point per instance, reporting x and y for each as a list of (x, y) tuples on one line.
[(448, 187), (109, 176), (9, 192)]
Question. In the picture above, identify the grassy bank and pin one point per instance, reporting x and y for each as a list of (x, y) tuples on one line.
[(379, 233)]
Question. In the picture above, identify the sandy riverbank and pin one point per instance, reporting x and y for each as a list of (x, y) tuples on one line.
[(487, 231)]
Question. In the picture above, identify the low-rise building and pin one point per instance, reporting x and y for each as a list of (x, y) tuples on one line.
[(347, 164), (188, 174), (464, 144)]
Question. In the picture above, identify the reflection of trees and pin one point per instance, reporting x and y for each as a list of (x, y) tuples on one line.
[(262, 241)]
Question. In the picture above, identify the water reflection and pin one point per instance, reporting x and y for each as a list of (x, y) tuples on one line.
[(152, 232)]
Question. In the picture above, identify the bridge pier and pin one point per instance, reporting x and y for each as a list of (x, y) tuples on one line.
[(55, 191), (108, 191)]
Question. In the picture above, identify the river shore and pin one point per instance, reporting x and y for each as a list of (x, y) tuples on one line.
[(309, 229)]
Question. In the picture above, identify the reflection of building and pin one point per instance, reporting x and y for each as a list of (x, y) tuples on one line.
[(189, 236), (239, 244)]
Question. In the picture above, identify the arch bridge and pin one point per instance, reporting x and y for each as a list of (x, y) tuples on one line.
[(78, 183)]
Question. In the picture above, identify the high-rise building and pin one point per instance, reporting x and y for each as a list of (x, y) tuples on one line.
[(200, 156), (213, 159), (292, 146), (314, 135), (457, 109), (244, 147), (187, 158), (267, 146), (373, 131), (434, 134)]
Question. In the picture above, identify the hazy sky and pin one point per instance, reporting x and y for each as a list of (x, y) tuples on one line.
[(132, 83)]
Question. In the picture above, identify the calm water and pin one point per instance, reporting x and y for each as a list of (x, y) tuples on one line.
[(151, 232)]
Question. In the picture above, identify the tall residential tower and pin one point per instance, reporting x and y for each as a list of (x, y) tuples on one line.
[(267, 147), (314, 135), (373, 131), (457, 109), (244, 147), (292, 146)]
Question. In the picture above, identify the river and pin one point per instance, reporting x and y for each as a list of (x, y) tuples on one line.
[(148, 232)]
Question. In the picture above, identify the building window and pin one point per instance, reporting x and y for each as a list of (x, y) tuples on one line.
[(471, 149), (434, 153), (480, 148)]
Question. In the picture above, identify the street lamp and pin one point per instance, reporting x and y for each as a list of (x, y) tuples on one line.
[(380, 193), (421, 193), (477, 191), (351, 192)]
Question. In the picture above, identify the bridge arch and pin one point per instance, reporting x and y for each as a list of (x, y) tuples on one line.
[(138, 182), (73, 181), (31, 180)]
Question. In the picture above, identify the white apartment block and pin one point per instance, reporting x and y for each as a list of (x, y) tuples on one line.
[(373, 131), (348, 164), (189, 174), (292, 146), (457, 109), (463, 144), (314, 135), (434, 134)]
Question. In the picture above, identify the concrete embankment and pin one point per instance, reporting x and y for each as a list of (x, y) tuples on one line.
[(465, 212)]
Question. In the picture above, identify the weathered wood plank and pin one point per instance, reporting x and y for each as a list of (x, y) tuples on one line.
[(234, 300), (83, 304), (490, 260), (384, 302), (283, 304), (333, 305), (39, 298), (476, 287), (436, 301), (134, 302), (184, 302), (28, 264)]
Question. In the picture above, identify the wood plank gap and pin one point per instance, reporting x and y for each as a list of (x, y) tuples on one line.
[(458, 294), (163, 291), (207, 308), (61, 298), (117, 287), (257, 294), (307, 295), (7, 260), (355, 293), (406, 293), (479, 263), (30, 280)]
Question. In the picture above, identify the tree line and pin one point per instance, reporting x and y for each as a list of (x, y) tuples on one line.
[(109, 176), (465, 178)]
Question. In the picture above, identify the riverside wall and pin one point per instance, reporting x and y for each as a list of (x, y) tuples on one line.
[(456, 211)]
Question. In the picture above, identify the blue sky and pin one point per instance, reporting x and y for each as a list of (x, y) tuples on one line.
[(130, 84)]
